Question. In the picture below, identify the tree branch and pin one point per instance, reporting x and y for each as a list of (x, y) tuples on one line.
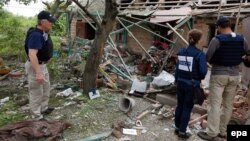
[(47, 5), (87, 13), (87, 5)]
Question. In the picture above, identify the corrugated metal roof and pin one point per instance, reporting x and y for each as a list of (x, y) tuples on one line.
[(170, 15)]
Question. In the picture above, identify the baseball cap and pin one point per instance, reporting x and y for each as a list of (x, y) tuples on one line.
[(222, 20), (45, 15)]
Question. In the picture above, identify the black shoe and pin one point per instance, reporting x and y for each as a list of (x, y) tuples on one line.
[(222, 136), (48, 110), (184, 135), (205, 136), (43, 119), (176, 131)]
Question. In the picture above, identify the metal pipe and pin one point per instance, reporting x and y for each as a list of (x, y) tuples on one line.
[(171, 51), (148, 30), (184, 40), (136, 40), (121, 30), (120, 71), (181, 23), (113, 46)]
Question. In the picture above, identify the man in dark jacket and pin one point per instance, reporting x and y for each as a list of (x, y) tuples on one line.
[(225, 54), (39, 47)]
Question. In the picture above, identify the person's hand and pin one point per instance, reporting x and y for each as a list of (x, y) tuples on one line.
[(39, 78)]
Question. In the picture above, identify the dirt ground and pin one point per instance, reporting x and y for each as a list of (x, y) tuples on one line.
[(88, 117), (91, 117)]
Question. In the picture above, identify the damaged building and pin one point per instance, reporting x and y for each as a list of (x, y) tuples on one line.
[(146, 20)]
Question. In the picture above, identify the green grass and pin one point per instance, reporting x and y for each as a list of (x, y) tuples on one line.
[(9, 113), (13, 32)]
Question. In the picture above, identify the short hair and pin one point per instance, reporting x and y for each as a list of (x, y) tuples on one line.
[(225, 24), (194, 36)]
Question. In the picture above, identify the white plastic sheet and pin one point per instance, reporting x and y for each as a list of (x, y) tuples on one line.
[(4, 100), (139, 86), (164, 79), (66, 92)]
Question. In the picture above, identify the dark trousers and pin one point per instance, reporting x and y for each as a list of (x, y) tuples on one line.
[(184, 107)]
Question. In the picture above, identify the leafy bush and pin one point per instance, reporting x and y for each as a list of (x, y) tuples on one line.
[(12, 34), (59, 28)]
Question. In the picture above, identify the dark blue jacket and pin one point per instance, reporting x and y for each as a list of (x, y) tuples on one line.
[(35, 40), (230, 51), (199, 66)]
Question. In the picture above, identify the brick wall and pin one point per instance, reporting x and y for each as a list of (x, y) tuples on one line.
[(144, 37), (202, 25), (73, 28)]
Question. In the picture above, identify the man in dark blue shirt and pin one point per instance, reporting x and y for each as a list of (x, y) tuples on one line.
[(39, 47)]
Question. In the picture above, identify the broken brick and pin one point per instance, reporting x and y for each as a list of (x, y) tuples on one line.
[(204, 124), (117, 133)]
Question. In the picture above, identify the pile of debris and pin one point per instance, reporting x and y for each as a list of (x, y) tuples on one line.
[(241, 107), (126, 71), (7, 72)]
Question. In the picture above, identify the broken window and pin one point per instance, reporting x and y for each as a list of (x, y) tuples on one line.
[(90, 32), (84, 30)]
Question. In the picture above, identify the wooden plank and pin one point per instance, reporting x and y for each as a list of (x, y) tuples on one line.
[(143, 114), (238, 17), (216, 30), (197, 119), (113, 85)]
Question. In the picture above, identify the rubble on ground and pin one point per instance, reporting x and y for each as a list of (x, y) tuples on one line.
[(139, 77)]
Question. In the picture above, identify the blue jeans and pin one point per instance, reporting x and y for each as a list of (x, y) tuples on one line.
[(184, 107)]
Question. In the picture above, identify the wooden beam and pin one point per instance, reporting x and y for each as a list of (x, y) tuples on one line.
[(112, 43), (158, 35), (174, 30), (222, 10), (216, 30), (197, 119), (238, 17), (176, 2)]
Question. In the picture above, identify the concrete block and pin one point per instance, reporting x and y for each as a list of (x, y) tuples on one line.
[(172, 101), (166, 99)]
